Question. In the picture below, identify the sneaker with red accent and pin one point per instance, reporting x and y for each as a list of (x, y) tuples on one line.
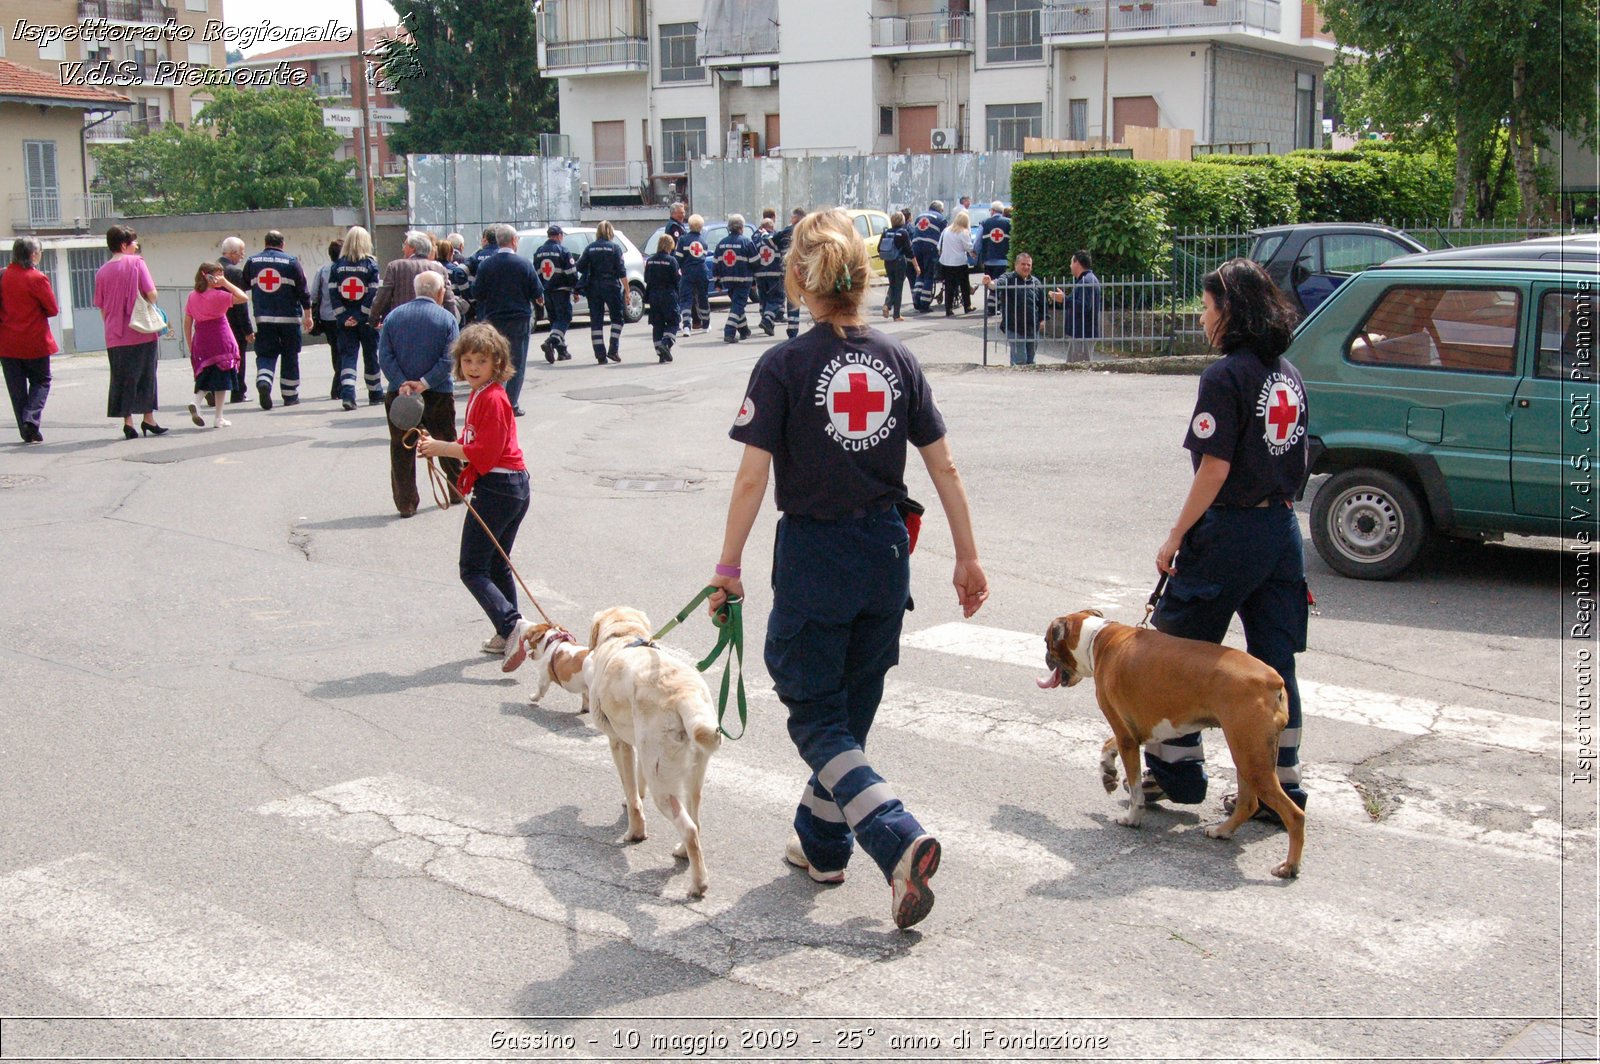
[(516, 651), (795, 854), (912, 897)]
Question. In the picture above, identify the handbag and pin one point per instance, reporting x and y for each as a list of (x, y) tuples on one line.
[(147, 317)]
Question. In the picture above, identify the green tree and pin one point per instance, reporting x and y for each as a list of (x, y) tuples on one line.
[(467, 73), (1490, 79), (248, 150)]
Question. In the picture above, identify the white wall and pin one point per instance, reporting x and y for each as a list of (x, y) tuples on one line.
[(1170, 73), (1003, 84), (605, 98), (825, 85)]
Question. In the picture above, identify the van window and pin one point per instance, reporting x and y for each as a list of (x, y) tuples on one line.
[(1566, 338), (861, 224), (1472, 330)]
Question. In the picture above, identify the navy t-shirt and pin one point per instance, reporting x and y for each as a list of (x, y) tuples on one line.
[(836, 416), (1254, 417)]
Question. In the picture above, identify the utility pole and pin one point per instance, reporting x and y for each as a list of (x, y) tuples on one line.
[(358, 70), (1105, 80)]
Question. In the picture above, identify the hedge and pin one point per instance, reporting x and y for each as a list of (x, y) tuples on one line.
[(1126, 212)]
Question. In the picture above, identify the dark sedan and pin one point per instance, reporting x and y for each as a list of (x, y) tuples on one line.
[(1309, 261)]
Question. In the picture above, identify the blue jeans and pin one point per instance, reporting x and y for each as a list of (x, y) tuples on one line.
[(840, 593), (897, 269), (515, 330), (1021, 349), (501, 499), (1250, 562)]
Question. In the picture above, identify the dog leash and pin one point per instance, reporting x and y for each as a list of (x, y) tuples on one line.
[(729, 620), (1153, 600), (441, 495)]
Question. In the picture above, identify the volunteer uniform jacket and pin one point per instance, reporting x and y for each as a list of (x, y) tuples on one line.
[(661, 277), (995, 241), (279, 294), (925, 230), (557, 269), (734, 260), (768, 262), (600, 268), (353, 284)]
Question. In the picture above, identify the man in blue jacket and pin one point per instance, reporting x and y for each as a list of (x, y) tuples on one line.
[(734, 262), (414, 355), (558, 272), (925, 230), (506, 290), (1084, 303), (994, 244)]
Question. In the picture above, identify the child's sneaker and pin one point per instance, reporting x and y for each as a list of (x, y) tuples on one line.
[(494, 645), (795, 854), (912, 897), (516, 651)]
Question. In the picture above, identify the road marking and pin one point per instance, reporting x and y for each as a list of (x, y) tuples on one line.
[(1373, 709), (126, 947)]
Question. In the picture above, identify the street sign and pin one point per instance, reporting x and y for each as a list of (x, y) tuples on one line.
[(343, 118), (394, 116)]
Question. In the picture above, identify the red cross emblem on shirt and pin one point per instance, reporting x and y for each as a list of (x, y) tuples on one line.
[(730, 257), (547, 269), (352, 289), (269, 279), (997, 234), (767, 256), (923, 224), (1203, 425), (697, 249), (859, 401), (1283, 414)]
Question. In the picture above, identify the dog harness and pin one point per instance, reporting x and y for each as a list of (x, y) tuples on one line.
[(1084, 654)]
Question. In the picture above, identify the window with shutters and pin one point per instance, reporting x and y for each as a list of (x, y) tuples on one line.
[(44, 193), (1010, 123), (1013, 31)]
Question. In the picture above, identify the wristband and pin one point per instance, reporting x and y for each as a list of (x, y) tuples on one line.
[(728, 570)]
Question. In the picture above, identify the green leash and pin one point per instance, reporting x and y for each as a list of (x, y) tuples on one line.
[(730, 637)]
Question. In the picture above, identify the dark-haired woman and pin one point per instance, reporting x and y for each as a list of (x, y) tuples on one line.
[(26, 306), (118, 287), (1235, 547)]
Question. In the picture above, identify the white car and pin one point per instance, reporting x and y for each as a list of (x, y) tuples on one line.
[(575, 239)]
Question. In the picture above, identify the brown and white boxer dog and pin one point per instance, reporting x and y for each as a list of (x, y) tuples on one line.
[(1151, 685), (560, 659)]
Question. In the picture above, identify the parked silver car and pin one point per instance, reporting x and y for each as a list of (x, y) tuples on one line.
[(578, 237)]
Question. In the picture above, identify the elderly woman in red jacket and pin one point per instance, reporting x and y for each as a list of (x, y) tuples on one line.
[(26, 305)]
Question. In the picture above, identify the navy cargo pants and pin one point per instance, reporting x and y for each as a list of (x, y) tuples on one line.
[(1248, 562), (840, 591)]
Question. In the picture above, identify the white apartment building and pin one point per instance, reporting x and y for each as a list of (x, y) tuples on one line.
[(646, 85)]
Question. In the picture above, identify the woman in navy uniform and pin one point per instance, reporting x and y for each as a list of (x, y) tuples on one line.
[(603, 280), (1235, 548), (830, 414), (354, 280), (661, 280)]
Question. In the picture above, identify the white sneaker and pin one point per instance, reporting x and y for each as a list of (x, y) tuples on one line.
[(795, 854), (912, 897), (516, 651), (221, 423), (494, 645), (194, 414)]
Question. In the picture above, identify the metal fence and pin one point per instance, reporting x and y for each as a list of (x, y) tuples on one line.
[(719, 187), (1157, 315), (1134, 319), (464, 193)]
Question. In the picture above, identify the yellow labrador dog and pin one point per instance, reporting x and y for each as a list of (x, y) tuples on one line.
[(657, 712)]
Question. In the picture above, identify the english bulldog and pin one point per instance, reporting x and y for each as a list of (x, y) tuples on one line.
[(1156, 686), (561, 660), (656, 710)]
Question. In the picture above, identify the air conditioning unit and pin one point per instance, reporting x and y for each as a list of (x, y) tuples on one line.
[(943, 140)]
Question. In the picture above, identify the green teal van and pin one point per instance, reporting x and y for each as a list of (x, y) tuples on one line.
[(1452, 393)]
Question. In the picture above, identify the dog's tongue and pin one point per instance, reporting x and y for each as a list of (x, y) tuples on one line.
[(1049, 681)]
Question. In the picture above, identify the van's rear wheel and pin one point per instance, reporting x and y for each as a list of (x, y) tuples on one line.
[(1368, 524)]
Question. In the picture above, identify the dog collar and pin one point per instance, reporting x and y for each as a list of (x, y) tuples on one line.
[(557, 635), (1087, 633), (640, 643)]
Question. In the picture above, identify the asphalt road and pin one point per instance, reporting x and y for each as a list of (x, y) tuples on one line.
[(264, 797)]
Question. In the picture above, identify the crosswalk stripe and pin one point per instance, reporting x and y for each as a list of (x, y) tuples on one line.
[(1373, 709), (93, 930)]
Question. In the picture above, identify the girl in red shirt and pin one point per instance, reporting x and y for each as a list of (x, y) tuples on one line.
[(497, 479)]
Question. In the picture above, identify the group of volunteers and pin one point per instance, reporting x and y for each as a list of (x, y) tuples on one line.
[(827, 415)]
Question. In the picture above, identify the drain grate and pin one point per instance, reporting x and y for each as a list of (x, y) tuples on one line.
[(651, 484), (19, 480)]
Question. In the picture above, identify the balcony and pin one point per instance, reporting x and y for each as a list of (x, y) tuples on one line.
[(929, 34), (612, 55), (120, 129), (33, 211), (137, 11), (1078, 21), (613, 178)]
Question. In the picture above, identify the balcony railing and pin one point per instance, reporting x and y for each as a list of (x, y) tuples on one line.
[(1074, 18), (52, 210), (122, 128), (932, 32), (124, 10), (613, 53), (606, 179)]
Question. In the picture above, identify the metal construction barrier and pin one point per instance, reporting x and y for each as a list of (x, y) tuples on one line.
[(464, 193), (720, 187), (1135, 318)]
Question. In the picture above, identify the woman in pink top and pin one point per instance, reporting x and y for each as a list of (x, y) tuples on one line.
[(213, 352), (117, 286)]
